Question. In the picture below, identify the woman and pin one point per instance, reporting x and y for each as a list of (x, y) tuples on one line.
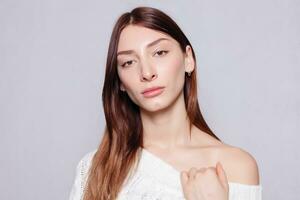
[(156, 144)]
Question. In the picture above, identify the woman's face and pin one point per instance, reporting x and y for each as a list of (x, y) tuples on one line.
[(148, 58)]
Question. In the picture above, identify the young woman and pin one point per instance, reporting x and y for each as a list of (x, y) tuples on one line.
[(156, 144)]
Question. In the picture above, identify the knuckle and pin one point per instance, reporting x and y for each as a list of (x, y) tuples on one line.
[(211, 170), (192, 169), (203, 169), (198, 175)]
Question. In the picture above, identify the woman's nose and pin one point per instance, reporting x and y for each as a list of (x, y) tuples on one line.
[(148, 73), (148, 76)]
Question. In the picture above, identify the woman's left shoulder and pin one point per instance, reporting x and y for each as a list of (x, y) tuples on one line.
[(239, 165)]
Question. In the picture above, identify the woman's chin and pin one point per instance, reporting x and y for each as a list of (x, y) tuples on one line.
[(153, 107)]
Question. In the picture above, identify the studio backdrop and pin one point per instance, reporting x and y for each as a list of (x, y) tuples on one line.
[(52, 62)]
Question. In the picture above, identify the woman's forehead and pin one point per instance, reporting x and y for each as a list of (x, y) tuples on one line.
[(135, 37)]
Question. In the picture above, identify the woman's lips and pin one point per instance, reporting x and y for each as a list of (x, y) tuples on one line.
[(153, 93)]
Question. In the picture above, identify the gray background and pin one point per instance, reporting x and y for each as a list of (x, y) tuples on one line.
[(52, 60)]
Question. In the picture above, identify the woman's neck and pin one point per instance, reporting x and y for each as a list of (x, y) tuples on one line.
[(168, 127)]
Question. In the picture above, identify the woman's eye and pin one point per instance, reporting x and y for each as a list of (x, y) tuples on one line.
[(162, 52), (127, 62)]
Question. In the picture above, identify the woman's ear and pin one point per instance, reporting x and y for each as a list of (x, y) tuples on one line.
[(122, 87), (189, 60)]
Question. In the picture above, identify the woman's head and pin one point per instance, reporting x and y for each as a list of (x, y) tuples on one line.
[(149, 58), (133, 31), (160, 55)]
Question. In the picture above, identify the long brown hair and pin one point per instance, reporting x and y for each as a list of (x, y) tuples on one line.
[(118, 151)]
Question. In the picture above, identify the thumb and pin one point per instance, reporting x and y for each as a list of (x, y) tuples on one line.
[(184, 177), (222, 175)]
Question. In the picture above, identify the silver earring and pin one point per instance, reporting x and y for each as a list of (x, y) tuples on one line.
[(189, 73)]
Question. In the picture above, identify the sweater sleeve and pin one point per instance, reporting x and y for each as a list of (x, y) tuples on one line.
[(81, 175), (239, 191)]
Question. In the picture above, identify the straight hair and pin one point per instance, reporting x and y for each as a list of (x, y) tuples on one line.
[(119, 151)]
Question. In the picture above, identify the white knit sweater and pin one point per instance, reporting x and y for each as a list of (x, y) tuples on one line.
[(154, 179)]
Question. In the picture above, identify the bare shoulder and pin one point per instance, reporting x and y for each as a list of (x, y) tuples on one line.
[(239, 165)]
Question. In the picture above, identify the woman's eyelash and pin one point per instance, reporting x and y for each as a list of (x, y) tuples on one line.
[(162, 51), (130, 61), (123, 65)]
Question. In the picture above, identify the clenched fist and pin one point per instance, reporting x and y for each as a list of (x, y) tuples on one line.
[(205, 184)]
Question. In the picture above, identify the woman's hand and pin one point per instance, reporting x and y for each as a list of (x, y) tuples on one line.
[(205, 184)]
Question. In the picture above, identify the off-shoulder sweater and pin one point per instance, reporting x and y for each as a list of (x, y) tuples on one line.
[(154, 179)]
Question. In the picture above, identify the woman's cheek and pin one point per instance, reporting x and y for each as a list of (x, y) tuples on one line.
[(125, 77), (172, 65), (175, 70)]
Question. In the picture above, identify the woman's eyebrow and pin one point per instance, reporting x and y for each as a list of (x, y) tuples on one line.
[(147, 46)]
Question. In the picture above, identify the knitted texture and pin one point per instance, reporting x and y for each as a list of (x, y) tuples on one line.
[(154, 179)]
